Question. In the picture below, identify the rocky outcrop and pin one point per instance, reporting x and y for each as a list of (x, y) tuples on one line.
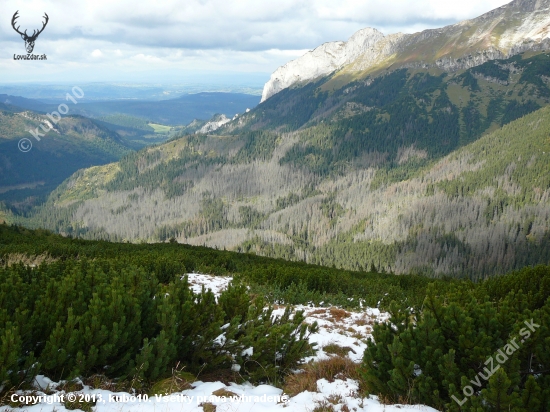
[(519, 26), (322, 61), (217, 121)]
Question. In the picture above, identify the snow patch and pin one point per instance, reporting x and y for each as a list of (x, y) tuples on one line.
[(261, 398), (217, 284)]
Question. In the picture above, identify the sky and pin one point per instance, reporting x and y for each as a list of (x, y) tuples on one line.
[(172, 41)]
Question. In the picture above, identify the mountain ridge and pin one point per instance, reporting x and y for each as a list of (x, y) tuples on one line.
[(522, 25), (74, 141)]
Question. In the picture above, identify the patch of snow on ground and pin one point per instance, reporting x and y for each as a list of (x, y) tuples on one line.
[(231, 398), (215, 283), (347, 329)]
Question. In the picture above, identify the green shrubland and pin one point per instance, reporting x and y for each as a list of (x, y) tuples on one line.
[(125, 311)]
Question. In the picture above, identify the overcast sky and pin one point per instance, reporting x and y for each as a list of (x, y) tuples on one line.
[(177, 40)]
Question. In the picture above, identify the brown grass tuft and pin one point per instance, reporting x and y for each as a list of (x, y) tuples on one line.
[(323, 406), (101, 382), (300, 382), (337, 367), (208, 407), (224, 392), (335, 399), (317, 312), (365, 320), (339, 314), (335, 349)]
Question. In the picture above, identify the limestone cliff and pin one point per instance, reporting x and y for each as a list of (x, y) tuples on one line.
[(517, 27)]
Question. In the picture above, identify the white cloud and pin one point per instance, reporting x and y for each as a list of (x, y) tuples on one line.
[(104, 36)]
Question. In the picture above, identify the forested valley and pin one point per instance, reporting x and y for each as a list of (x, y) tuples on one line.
[(410, 171)]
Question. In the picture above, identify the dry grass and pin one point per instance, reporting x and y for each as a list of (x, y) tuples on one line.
[(82, 406), (208, 407), (100, 382), (179, 381), (323, 406), (75, 386), (26, 388), (388, 400), (317, 312), (300, 382), (335, 349), (335, 399), (385, 400), (224, 393), (338, 314), (6, 396), (171, 385), (358, 336), (337, 367), (5, 400), (365, 320)]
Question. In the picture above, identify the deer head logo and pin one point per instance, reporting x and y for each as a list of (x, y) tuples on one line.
[(29, 40)]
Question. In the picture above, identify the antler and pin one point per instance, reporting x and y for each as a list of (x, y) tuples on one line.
[(13, 19), (43, 25), (34, 33)]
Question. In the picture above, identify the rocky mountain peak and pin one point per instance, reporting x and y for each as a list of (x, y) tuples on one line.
[(519, 26), (322, 61)]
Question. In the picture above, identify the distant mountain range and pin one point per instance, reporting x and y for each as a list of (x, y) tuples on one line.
[(405, 166), (97, 91), (176, 111)]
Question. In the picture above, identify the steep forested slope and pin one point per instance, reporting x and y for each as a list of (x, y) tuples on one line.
[(433, 110), (30, 167), (481, 210)]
